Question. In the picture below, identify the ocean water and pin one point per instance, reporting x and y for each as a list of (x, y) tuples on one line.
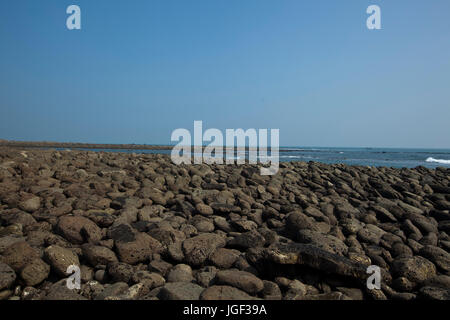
[(378, 157)]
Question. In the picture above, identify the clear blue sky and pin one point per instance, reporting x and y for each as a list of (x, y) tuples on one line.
[(140, 69)]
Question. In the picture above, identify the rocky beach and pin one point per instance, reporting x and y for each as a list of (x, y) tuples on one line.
[(140, 227)]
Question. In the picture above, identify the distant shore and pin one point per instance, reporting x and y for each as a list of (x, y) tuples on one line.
[(79, 145)]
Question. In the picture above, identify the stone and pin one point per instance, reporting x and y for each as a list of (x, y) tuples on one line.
[(438, 256), (224, 293), (60, 259), (417, 269), (112, 290), (98, 255), (250, 239), (224, 258), (30, 204), (7, 276), (140, 249), (199, 248), (323, 241), (180, 273), (120, 272), (18, 255), (204, 209), (78, 229), (241, 280), (35, 272), (180, 291)]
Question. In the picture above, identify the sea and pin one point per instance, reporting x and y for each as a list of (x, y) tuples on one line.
[(377, 157)]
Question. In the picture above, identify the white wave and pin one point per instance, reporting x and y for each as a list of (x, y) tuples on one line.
[(443, 161)]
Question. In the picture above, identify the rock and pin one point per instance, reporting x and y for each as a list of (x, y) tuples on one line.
[(206, 276), (324, 241), (326, 296), (224, 258), (224, 293), (120, 272), (112, 290), (153, 280), (312, 257), (98, 255), (438, 256), (271, 291), (78, 229), (60, 291), (383, 214), (204, 209), (199, 248), (35, 272), (7, 241), (250, 239), (180, 273), (7, 276), (30, 204), (18, 255), (160, 266), (425, 224), (371, 234), (60, 259), (140, 249), (435, 293), (180, 291), (296, 221), (417, 269), (241, 280)]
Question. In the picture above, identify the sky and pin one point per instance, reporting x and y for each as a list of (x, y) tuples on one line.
[(137, 70)]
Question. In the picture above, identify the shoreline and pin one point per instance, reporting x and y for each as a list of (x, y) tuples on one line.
[(140, 227)]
